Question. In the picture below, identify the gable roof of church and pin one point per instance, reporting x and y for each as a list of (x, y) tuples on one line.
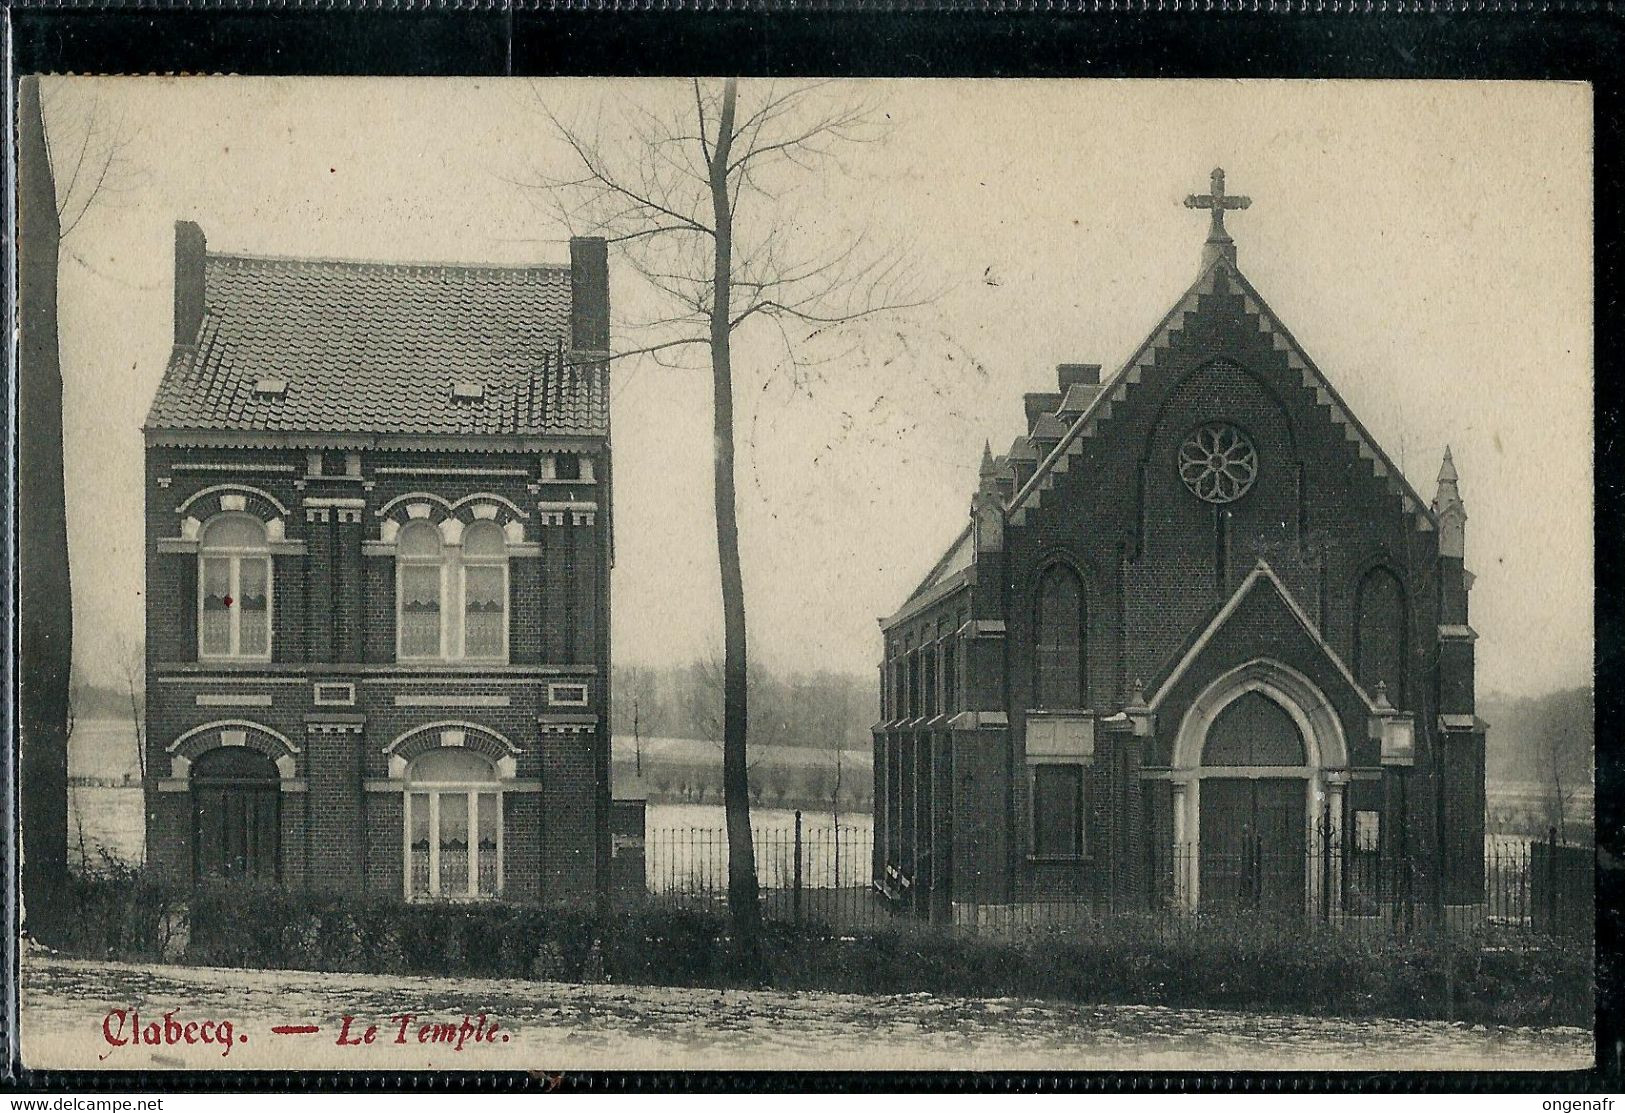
[(961, 553), (1261, 575), (1116, 389), (331, 347)]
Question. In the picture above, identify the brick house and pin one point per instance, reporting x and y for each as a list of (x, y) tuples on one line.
[(1200, 645), (377, 561)]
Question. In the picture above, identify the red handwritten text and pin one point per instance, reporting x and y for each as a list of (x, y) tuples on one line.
[(123, 1028), (411, 1028)]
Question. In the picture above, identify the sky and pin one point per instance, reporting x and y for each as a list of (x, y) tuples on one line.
[(1429, 244)]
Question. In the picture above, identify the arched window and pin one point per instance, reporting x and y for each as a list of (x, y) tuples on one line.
[(236, 796), (453, 827), (1254, 730), (420, 591), (1058, 658), (485, 592), (1379, 634), (452, 600), (234, 589)]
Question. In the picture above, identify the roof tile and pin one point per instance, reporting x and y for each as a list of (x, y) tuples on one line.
[(376, 347)]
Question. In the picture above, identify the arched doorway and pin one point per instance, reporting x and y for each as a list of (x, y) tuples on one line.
[(236, 799), (1253, 808), (1259, 760)]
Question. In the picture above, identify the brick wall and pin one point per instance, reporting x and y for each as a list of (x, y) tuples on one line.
[(333, 775), (334, 622), (568, 829), (1157, 564), (1463, 819)]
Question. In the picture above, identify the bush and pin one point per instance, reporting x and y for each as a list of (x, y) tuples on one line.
[(118, 911), (1207, 963)]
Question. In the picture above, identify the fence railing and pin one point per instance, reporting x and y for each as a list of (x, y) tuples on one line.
[(823, 872)]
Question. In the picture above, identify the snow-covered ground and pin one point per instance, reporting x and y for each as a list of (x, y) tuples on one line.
[(70, 1008)]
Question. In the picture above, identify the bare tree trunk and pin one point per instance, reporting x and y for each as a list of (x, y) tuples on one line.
[(743, 898), (46, 618), (1557, 785), (837, 810)]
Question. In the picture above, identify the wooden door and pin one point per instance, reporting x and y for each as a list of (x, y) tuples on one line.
[(1278, 815), (236, 801), (1227, 838), (1252, 844)]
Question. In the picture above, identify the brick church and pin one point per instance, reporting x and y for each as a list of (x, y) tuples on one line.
[(377, 567), (1200, 645)]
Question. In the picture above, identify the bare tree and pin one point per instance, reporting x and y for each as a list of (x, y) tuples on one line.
[(1565, 755), (133, 667), (76, 696), (46, 215), (696, 198), (89, 145), (46, 614), (704, 692)]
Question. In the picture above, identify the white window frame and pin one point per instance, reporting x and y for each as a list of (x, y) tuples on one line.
[(235, 554), (333, 693), (454, 566), (434, 790), (463, 565), (575, 690)]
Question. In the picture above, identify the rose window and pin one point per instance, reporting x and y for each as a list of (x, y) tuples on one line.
[(1218, 463)]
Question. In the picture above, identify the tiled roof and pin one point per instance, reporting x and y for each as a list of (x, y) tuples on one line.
[(960, 556), (377, 348)]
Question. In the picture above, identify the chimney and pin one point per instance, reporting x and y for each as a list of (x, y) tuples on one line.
[(1038, 405), (1069, 375), (589, 294), (190, 249)]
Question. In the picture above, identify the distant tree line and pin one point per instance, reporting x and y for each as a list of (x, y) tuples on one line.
[(822, 710), (1546, 740)]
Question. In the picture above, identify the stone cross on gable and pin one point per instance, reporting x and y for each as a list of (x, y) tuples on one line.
[(1216, 202)]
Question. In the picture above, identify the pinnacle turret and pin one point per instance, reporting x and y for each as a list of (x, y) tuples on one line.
[(1450, 510)]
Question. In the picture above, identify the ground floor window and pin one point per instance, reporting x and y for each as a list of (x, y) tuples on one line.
[(453, 827), (1058, 827), (1362, 875), (236, 800)]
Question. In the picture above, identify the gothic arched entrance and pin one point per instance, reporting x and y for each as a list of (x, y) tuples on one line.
[(1259, 759), (1253, 806)]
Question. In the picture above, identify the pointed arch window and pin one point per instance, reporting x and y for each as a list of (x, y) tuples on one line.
[(1254, 730), (1380, 642), (234, 590), (1058, 647)]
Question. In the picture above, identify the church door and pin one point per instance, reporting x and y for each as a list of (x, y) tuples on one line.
[(1253, 840), (1253, 846)]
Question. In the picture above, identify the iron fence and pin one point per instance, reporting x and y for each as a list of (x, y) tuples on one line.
[(817, 871)]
